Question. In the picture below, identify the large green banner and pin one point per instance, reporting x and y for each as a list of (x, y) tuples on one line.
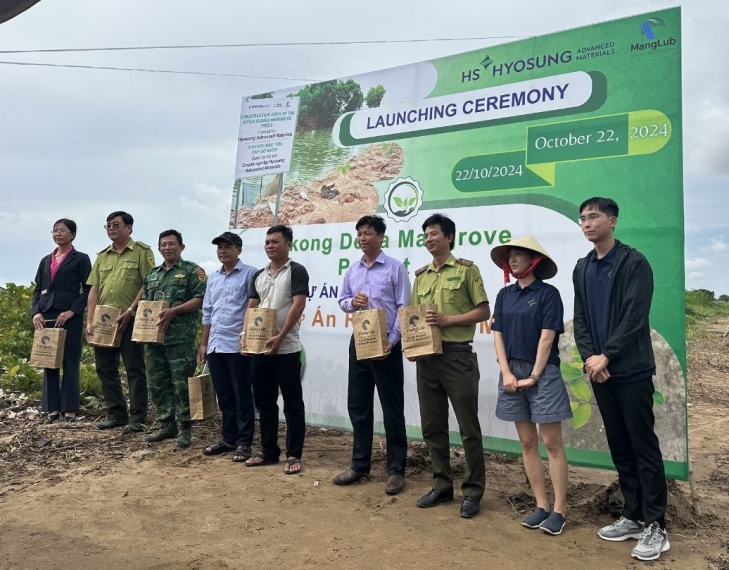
[(508, 141)]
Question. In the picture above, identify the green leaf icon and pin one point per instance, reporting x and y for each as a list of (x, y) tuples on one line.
[(574, 405), (397, 201), (581, 415), (412, 201), (569, 373), (576, 354), (658, 398), (580, 390)]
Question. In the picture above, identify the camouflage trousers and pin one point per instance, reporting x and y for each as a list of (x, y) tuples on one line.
[(168, 368)]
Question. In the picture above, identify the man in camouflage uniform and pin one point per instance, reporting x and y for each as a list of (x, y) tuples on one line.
[(169, 364), (116, 280), (456, 288)]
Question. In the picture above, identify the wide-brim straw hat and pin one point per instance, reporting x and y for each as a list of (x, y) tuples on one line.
[(546, 269)]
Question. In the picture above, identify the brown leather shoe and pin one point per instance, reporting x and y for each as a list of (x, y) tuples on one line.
[(395, 484), (348, 477)]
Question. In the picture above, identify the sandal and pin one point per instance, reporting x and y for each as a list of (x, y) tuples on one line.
[(242, 453), (259, 460), (50, 418), (293, 466), (217, 448)]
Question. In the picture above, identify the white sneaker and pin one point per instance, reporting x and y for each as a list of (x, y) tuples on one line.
[(621, 529), (652, 542)]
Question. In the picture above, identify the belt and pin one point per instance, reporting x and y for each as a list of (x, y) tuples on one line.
[(456, 347)]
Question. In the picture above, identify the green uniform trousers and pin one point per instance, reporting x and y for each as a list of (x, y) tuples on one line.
[(168, 368), (452, 376)]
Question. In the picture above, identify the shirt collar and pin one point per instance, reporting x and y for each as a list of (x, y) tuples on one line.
[(287, 264), (450, 261), (238, 267), (130, 246), (380, 259), (609, 256)]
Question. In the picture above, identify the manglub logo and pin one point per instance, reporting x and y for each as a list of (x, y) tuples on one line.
[(414, 320), (105, 317), (403, 199), (45, 339), (365, 325), (257, 321), (146, 313), (653, 31), (649, 24)]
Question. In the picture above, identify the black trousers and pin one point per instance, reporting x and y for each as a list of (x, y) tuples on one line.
[(627, 412), (107, 369), (387, 376), (269, 374), (231, 373), (62, 393)]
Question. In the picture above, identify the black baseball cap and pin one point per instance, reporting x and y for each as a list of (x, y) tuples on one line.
[(230, 237)]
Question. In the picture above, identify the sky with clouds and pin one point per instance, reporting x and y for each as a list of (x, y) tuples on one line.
[(80, 143)]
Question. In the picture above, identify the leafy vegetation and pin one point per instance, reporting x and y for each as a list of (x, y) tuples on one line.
[(321, 104), (374, 96), (16, 341), (701, 304)]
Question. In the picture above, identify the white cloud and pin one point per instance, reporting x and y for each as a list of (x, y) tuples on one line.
[(718, 245), (696, 264)]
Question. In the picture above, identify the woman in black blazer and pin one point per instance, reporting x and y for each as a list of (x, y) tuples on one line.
[(60, 296)]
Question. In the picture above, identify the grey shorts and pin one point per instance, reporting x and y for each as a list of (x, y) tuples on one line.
[(545, 402)]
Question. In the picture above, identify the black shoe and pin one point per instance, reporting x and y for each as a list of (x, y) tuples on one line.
[(348, 477), (111, 423), (433, 498), (470, 507), (395, 484)]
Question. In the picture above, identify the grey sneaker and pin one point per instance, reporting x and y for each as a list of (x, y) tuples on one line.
[(621, 529), (554, 524), (535, 519), (652, 542)]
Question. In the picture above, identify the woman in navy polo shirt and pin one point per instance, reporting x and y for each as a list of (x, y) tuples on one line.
[(528, 319)]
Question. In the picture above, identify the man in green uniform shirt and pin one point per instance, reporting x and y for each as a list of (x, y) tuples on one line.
[(182, 284), (116, 280), (456, 288)]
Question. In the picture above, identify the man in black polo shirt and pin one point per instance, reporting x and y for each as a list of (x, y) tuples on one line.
[(613, 292)]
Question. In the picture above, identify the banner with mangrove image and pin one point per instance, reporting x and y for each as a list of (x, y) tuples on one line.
[(507, 140)]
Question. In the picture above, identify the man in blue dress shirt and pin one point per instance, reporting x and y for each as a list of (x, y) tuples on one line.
[(223, 310), (376, 281)]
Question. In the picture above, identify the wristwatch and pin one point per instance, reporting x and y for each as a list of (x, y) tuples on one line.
[(533, 376)]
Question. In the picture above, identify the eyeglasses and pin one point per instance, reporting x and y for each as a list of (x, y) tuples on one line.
[(61, 231), (589, 218), (114, 226)]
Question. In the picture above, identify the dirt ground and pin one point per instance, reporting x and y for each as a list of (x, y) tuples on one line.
[(73, 496)]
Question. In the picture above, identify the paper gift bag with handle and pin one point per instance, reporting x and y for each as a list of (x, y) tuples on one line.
[(259, 328), (202, 395), (145, 322), (418, 337), (106, 332), (370, 333), (48, 344)]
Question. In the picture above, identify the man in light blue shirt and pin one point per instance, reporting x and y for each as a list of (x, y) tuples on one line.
[(223, 310), (376, 281)]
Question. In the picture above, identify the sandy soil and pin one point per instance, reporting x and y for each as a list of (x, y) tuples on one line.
[(332, 197), (73, 496)]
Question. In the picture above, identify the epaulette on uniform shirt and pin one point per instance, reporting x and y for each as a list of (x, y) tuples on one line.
[(423, 269), (465, 262)]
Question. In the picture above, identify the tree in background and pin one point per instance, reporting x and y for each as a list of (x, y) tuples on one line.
[(321, 104), (374, 96), (263, 96)]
